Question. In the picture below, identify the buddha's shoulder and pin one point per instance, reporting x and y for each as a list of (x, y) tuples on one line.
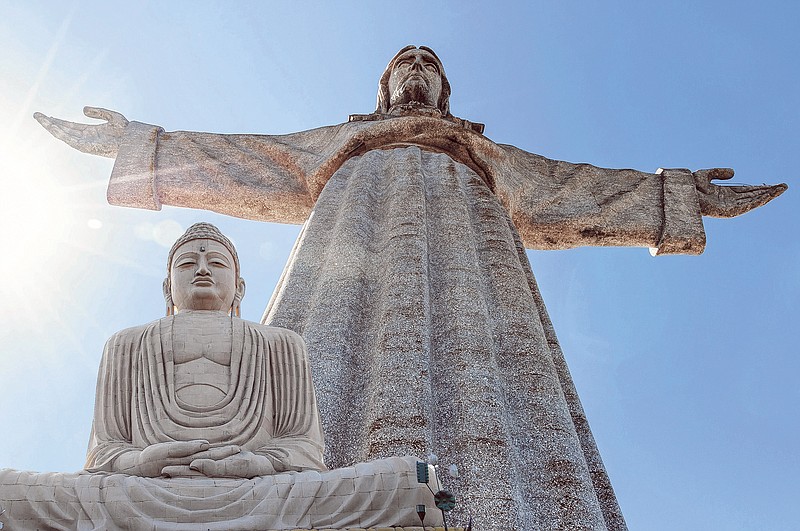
[(134, 332)]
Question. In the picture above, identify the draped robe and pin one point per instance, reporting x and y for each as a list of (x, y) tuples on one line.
[(409, 282), (269, 409)]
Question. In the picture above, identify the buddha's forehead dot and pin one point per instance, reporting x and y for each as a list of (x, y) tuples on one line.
[(203, 244), (199, 244)]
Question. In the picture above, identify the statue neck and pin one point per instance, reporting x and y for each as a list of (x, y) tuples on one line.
[(416, 109), (202, 312)]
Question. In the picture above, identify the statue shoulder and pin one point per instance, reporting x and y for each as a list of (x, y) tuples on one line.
[(133, 334)]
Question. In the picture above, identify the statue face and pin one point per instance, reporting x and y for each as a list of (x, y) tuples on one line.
[(202, 276), (415, 77)]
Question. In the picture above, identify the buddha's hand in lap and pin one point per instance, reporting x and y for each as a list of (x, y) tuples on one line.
[(171, 459), (244, 464)]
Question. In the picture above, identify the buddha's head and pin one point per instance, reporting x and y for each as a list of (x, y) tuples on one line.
[(203, 272), (414, 75)]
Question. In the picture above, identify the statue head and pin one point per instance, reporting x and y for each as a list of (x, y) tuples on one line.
[(203, 272), (414, 75)]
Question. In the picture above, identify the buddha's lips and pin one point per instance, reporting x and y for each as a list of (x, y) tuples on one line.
[(203, 281)]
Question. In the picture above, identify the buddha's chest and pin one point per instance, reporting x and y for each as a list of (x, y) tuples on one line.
[(202, 337), (201, 348)]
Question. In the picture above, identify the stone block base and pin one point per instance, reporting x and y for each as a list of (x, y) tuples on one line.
[(379, 495)]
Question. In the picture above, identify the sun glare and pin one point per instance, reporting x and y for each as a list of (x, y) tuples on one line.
[(36, 216)]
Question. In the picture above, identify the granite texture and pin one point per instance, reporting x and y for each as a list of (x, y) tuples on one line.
[(427, 327), (426, 331)]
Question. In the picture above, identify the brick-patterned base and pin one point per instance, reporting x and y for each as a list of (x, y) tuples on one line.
[(367, 495)]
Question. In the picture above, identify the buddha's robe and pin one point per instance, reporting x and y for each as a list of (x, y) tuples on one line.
[(269, 409), (379, 494), (426, 331)]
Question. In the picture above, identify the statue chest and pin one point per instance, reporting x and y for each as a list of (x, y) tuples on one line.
[(201, 347)]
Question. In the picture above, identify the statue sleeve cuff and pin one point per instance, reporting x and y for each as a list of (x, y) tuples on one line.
[(682, 232), (132, 181)]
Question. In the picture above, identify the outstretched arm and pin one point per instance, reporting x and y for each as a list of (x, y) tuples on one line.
[(559, 205), (267, 178)]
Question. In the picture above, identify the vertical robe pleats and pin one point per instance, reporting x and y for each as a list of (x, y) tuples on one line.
[(425, 335), (270, 398)]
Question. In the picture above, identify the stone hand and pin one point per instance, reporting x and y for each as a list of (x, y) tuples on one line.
[(729, 201), (96, 139), (174, 457), (244, 464), (184, 470)]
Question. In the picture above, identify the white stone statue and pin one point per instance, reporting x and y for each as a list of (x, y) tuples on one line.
[(410, 283), (201, 391), (206, 421)]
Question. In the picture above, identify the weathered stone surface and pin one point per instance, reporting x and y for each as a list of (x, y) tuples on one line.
[(410, 283)]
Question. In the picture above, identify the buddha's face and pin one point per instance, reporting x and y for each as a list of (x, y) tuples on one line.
[(203, 276), (415, 77)]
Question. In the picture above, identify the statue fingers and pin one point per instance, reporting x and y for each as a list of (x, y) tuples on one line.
[(217, 454), (112, 117), (733, 201), (208, 467), (70, 133), (750, 197), (259, 465), (720, 174), (748, 191), (778, 189), (703, 178), (242, 465), (43, 119), (172, 450), (98, 112), (246, 465), (95, 139), (179, 471), (186, 448)]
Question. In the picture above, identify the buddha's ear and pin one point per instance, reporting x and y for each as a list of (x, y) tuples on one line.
[(236, 308), (240, 289), (167, 289)]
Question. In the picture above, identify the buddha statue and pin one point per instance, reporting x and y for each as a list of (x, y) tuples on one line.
[(202, 392)]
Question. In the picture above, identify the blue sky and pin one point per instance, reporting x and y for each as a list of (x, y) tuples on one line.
[(687, 366)]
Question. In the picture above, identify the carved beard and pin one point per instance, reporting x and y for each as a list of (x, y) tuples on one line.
[(413, 90)]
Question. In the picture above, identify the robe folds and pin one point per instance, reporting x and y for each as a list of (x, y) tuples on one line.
[(269, 409), (410, 284), (380, 493)]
